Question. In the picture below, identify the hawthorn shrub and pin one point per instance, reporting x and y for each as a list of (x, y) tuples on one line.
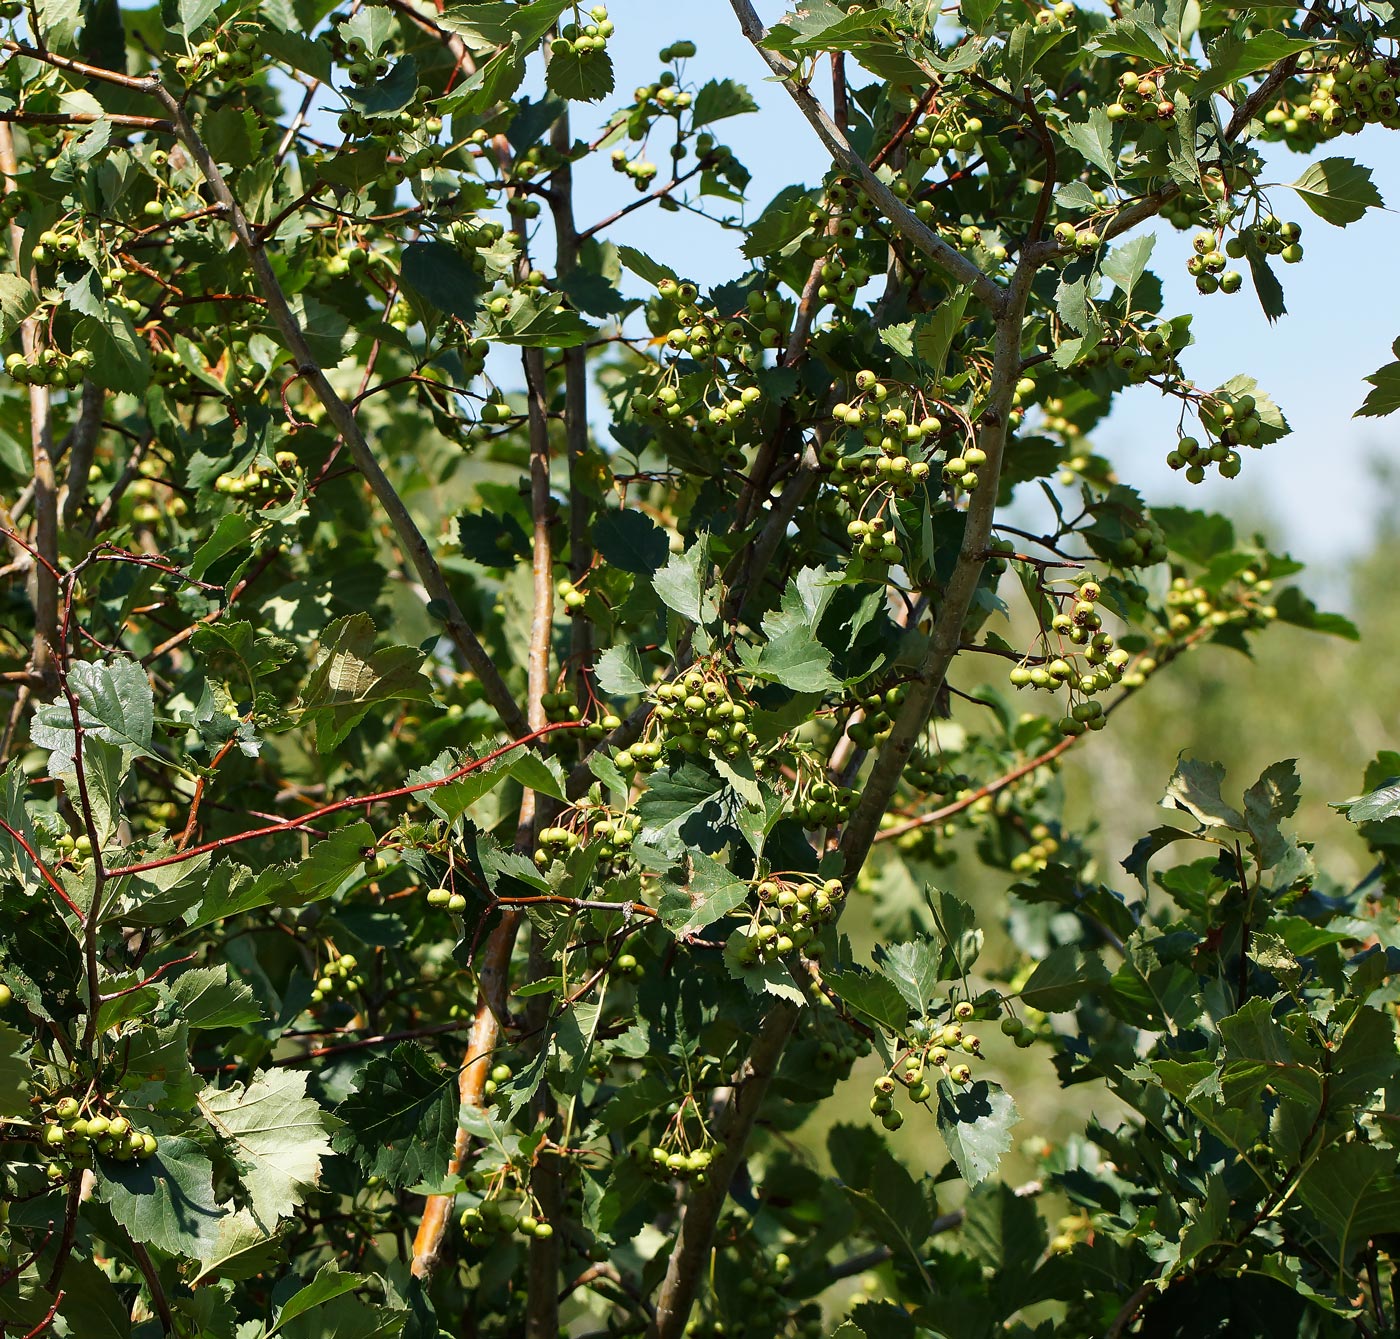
[(431, 798)]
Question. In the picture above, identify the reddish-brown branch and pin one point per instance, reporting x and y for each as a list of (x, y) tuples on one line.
[(340, 806), (43, 869)]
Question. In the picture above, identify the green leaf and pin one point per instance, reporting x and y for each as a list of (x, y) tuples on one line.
[(707, 893), (207, 997), (115, 705), (580, 76), (328, 1284), (59, 19), (531, 22), (481, 25), (630, 540), (1195, 788), (1385, 396), (166, 1201), (644, 267), (14, 1072), (439, 275), (934, 337), (913, 968), (1373, 807), (682, 584), (1355, 1193), (720, 98), (1062, 979), (1338, 190), (1232, 60), (796, 660), (387, 96), (1267, 802), (975, 1123), (538, 322), (1296, 608), (401, 1121), (274, 1135), (1003, 1230), (17, 301), (1125, 264), (1093, 141), (1133, 37), (619, 671), (351, 677), (872, 996)]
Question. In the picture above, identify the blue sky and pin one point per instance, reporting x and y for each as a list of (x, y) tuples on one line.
[(1317, 485)]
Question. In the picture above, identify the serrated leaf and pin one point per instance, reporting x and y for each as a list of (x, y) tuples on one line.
[(718, 99), (644, 267), (1126, 262), (1232, 60), (207, 997), (619, 671), (441, 276), (871, 996), (1063, 979), (580, 76), (351, 677), (387, 96), (683, 583), (1093, 141), (913, 968), (1195, 788), (934, 338), (630, 540), (167, 1200), (275, 1136), (328, 1284), (401, 1121), (975, 1123), (115, 705), (1373, 807), (1354, 1191), (1384, 397), (17, 301), (1338, 190), (707, 892)]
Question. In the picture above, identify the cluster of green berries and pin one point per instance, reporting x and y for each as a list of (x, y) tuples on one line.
[(1338, 97), (50, 367), (1043, 845), (876, 722), (940, 1047), (944, 132), (677, 1163), (54, 247), (587, 39), (699, 715), (445, 897), (925, 773), (76, 849), (339, 977), (261, 480), (1230, 421), (234, 59), (1191, 606), (788, 914), (1141, 97), (500, 1073), (154, 503), (1104, 663), (1139, 354), (73, 1131), (641, 757), (489, 1221), (822, 804), (1018, 1029)]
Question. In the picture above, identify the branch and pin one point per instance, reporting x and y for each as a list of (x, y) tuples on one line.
[(45, 589), (951, 261), (83, 442)]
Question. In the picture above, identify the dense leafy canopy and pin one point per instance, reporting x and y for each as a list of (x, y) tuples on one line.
[(461, 672)]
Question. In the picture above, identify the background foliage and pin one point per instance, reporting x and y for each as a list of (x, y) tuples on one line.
[(459, 673)]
